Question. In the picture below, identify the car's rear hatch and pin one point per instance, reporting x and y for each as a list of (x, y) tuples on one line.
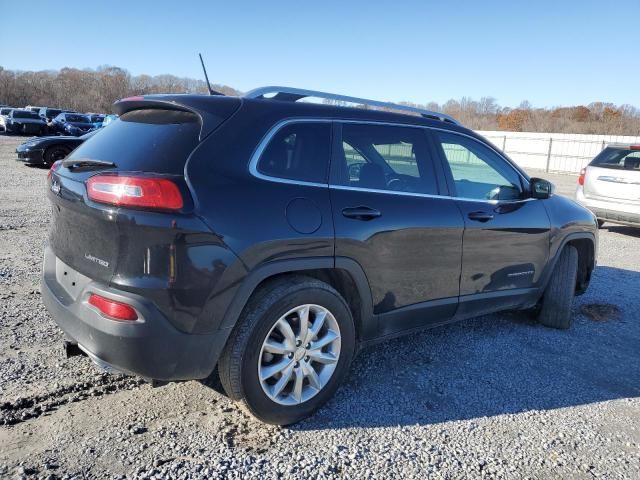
[(152, 140), (614, 175)]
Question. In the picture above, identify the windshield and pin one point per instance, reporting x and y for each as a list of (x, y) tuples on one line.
[(4, 111), (97, 118), (25, 114), (149, 140), (50, 112), (77, 118)]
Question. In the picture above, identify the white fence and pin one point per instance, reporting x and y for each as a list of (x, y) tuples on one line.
[(553, 152)]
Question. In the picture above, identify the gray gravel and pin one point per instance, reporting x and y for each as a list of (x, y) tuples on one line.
[(494, 397)]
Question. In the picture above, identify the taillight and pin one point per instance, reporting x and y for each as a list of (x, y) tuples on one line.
[(112, 309), (581, 177), (56, 165), (138, 192), (635, 147)]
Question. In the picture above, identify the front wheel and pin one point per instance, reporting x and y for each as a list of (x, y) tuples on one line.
[(556, 302), (290, 351), (57, 152)]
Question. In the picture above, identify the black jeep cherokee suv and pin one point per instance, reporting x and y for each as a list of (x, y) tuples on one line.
[(273, 238)]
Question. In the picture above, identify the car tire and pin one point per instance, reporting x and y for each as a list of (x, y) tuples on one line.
[(555, 308), (55, 152), (247, 360)]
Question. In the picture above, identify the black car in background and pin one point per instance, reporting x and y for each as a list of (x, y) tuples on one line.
[(23, 122), (75, 124), (48, 114), (273, 238), (47, 150)]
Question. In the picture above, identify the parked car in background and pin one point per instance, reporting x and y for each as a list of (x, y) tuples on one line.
[(75, 124), (24, 122), (97, 119), (32, 108), (49, 114), (4, 111), (610, 185), (109, 119), (273, 238), (47, 150)]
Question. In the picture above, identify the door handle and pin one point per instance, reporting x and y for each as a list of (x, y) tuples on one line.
[(361, 213), (480, 216)]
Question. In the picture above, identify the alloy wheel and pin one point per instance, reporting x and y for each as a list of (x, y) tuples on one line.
[(299, 354)]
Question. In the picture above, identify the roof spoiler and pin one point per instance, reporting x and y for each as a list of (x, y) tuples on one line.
[(211, 111)]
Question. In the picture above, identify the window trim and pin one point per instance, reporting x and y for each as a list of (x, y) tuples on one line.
[(262, 145), (273, 131)]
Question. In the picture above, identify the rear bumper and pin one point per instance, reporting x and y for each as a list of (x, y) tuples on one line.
[(149, 347), (611, 211)]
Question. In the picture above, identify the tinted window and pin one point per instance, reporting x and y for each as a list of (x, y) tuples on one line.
[(385, 158), (299, 151), (617, 158), (146, 140), (25, 114), (77, 118), (478, 172)]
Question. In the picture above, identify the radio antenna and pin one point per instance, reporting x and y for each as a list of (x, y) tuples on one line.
[(206, 77)]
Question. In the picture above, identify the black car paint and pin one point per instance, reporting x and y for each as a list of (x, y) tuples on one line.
[(21, 125), (240, 230), (61, 125), (33, 151)]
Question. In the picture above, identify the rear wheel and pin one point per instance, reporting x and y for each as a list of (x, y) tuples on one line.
[(55, 153), (290, 351), (556, 302)]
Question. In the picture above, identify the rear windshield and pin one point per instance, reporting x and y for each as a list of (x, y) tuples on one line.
[(619, 159), (77, 118), (151, 140), (4, 111), (25, 114)]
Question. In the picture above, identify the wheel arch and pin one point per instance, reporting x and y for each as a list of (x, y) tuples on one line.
[(585, 243), (343, 274)]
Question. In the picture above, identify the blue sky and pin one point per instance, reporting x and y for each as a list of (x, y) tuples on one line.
[(550, 53)]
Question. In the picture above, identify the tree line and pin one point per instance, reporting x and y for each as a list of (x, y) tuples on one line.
[(91, 90)]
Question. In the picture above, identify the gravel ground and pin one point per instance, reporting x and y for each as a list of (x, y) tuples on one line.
[(494, 397)]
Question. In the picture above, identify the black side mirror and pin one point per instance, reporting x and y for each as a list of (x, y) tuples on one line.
[(541, 188)]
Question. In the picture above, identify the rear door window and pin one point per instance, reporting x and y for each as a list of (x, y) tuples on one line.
[(299, 151), (618, 159), (148, 140), (382, 157)]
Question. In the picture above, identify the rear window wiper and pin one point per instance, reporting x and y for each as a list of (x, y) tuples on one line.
[(85, 163)]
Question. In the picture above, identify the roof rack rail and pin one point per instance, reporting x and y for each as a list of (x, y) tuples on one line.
[(294, 94)]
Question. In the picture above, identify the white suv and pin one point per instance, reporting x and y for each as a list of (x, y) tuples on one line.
[(610, 185)]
